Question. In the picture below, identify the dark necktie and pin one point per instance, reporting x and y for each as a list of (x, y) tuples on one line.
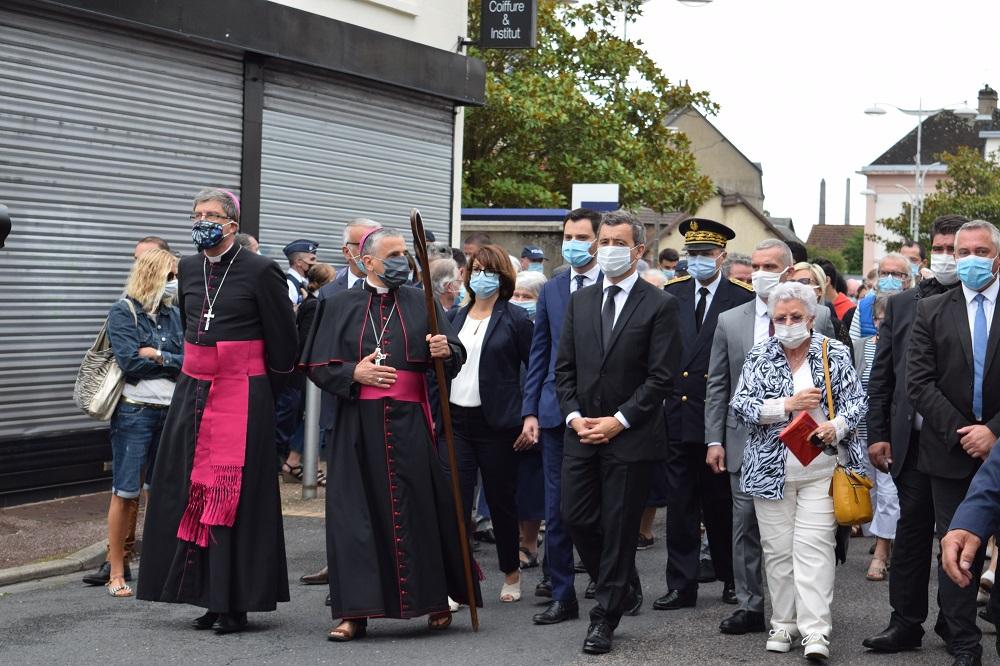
[(579, 281), (608, 314), (699, 309)]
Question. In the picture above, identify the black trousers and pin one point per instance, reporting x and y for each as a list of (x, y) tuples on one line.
[(602, 504), (695, 494), (478, 447)]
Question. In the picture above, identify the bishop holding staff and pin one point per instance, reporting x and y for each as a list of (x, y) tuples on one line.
[(392, 541), (213, 535)]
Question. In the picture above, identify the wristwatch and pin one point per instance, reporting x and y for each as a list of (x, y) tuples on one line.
[(159, 357)]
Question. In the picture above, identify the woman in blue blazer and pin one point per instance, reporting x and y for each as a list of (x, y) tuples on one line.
[(485, 400)]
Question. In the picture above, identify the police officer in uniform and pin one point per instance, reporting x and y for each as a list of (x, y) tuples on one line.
[(694, 493), (301, 256)]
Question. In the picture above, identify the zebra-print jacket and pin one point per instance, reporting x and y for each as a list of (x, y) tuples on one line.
[(758, 403)]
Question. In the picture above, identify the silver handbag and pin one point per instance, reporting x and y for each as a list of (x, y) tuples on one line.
[(100, 381)]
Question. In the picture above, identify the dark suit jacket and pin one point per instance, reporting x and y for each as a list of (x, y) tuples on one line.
[(634, 375), (980, 512), (890, 412), (505, 350), (939, 369), (540, 382), (685, 407)]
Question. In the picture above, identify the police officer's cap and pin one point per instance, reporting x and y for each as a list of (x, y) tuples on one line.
[(704, 234), (300, 245)]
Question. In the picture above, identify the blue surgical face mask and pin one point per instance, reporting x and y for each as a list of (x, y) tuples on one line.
[(577, 253), (462, 294), (360, 264), (530, 306), (914, 270), (534, 268), (889, 284), (484, 284), (976, 272), (701, 267), (669, 273)]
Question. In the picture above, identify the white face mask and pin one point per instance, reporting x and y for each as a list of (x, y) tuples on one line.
[(791, 335), (945, 268), (614, 260), (764, 281)]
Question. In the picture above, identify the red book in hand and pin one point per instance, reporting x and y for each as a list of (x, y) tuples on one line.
[(796, 438)]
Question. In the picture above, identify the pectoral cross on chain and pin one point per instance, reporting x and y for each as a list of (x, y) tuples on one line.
[(208, 318), (379, 356)]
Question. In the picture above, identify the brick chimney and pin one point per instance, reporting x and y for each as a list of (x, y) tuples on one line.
[(987, 101)]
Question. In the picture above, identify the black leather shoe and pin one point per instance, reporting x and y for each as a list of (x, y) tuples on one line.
[(895, 639), (206, 621), (321, 577), (729, 594), (231, 623), (591, 590), (103, 574), (598, 639), (558, 611), (966, 659), (706, 572), (544, 588), (675, 599), (743, 622), (633, 602), (327, 602)]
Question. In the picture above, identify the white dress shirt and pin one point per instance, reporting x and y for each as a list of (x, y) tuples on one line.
[(625, 288), (761, 322), (591, 276), (989, 305), (293, 291), (712, 288), (352, 279), (465, 385)]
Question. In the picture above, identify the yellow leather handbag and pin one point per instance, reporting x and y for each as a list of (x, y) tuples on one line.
[(852, 501)]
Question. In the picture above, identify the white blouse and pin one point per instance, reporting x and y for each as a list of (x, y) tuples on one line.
[(465, 386)]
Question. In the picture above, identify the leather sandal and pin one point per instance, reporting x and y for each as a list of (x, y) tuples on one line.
[(120, 588), (347, 630), (877, 570), (510, 592), (439, 621), (291, 473)]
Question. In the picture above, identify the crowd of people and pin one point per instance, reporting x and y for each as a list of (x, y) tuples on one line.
[(580, 405)]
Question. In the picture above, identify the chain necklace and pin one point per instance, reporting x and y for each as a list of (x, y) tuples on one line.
[(209, 316), (379, 356)]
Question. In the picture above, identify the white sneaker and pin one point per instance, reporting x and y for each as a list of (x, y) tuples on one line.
[(817, 648), (778, 640), (987, 579)]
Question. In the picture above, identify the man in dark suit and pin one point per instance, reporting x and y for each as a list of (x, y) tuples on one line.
[(893, 434), (694, 492), (349, 277), (618, 356), (954, 382), (543, 422)]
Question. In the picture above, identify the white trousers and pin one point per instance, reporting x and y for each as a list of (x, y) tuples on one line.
[(797, 535), (885, 505)]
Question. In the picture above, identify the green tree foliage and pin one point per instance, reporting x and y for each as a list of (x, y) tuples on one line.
[(972, 188), (854, 251), (586, 106), (836, 258)]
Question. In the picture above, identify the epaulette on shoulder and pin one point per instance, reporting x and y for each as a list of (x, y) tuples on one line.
[(741, 283), (679, 278)]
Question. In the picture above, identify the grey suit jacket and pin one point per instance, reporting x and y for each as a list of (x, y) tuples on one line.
[(733, 340)]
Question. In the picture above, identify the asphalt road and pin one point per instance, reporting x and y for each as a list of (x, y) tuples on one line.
[(60, 621)]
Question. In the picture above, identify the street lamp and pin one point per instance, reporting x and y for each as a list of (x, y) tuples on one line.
[(964, 112)]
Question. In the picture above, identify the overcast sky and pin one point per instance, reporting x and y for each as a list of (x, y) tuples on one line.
[(793, 78)]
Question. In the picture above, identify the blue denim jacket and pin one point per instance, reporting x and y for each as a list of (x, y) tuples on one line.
[(128, 336)]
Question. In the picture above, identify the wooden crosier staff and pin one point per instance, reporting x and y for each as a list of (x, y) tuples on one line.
[(420, 247)]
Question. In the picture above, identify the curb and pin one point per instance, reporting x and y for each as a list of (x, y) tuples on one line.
[(85, 558)]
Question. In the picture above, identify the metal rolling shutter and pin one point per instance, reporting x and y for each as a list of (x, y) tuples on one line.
[(105, 134), (333, 150)]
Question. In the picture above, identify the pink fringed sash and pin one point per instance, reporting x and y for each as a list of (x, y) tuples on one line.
[(409, 387), (220, 450)]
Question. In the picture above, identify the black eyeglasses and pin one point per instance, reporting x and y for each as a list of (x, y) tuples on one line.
[(789, 319), (806, 281), (211, 217)]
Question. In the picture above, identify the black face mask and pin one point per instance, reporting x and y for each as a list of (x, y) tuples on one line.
[(397, 272)]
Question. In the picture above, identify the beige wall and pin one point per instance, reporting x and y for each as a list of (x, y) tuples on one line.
[(436, 23), (719, 160), (748, 227)]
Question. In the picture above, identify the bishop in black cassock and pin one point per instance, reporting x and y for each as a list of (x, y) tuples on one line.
[(214, 538), (392, 539)]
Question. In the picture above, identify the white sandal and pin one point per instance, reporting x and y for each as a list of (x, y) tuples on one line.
[(510, 592)]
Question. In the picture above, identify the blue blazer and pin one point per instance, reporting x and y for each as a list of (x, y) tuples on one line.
[(980, 511), (505, 351), (540, 383)]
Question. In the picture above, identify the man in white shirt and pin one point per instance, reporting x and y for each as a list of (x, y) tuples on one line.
[(301, 256)]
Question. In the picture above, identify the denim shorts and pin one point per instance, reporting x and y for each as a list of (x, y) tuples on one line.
[(135, 433)]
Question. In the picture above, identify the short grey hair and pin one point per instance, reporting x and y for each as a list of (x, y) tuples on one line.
[(981, 224), (368, 246), (655, 277), (443, 272), (246, 240), (735, 258), (792, 291), (896, 256), (530, 281), (359, 222), (621, 216), (771, 243), (223, 197)]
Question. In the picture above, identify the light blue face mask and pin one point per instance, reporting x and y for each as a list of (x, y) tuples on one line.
[(668, 273), (530, 306), (535, 267), (975, 272), (914, 270), (701, 267), (577, 253), (889, 284), (462, 294), (484, 284)]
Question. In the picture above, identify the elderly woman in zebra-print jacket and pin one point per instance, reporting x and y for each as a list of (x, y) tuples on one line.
[(782, 376)]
